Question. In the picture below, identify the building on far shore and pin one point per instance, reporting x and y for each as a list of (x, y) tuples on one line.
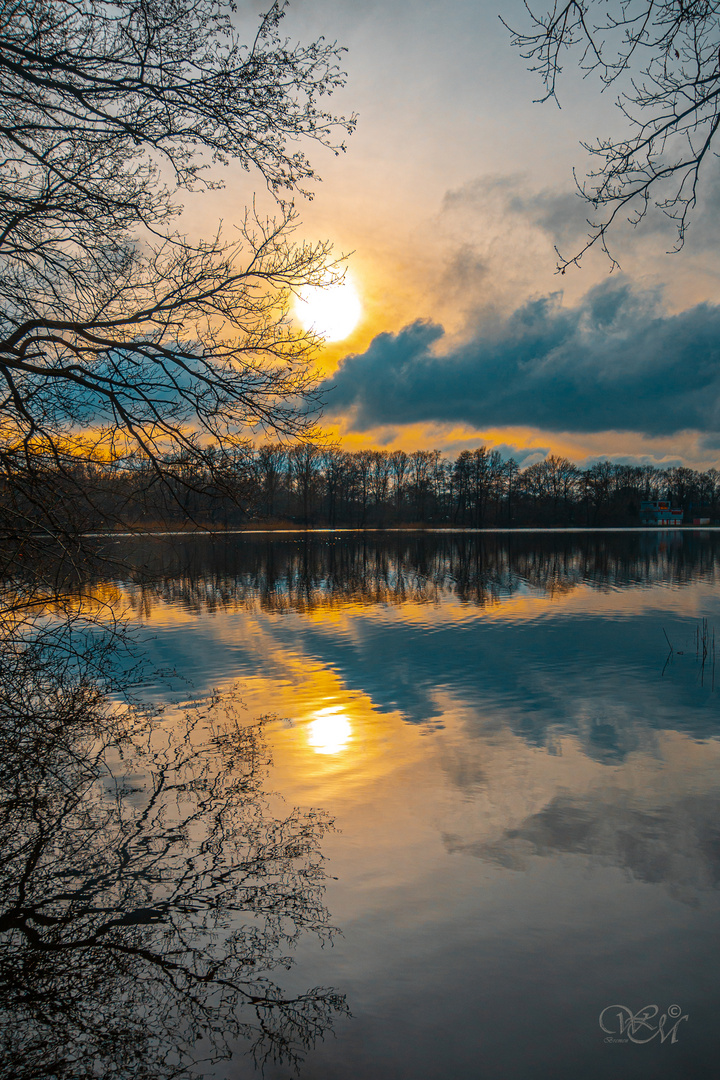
[(660, 513), (699, 514)]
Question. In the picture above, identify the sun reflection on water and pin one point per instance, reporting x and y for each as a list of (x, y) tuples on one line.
[(330, 731)]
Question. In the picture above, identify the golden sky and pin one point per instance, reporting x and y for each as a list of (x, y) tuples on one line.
[(452, 195)]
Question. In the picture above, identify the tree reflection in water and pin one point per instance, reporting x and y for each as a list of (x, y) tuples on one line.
[(147, 892), (319, 571)]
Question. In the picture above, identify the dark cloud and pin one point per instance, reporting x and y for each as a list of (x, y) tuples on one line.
[(616, 361), (710, 443)]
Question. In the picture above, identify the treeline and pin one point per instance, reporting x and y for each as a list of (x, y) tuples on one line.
[(307, 484), (312, 485)]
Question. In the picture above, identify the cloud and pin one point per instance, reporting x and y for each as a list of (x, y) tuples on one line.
[(675, 844), (523, 455), (656, 461), (616, 361), (562, 214), (567, 216)]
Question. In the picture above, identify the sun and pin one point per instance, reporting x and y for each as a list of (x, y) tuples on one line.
[(333, 311)]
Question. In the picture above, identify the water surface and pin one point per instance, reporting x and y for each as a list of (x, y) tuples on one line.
[(517, 739)]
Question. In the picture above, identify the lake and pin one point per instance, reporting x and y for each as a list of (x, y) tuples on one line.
[(515, 740)]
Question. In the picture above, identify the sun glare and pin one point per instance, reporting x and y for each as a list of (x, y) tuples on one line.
[(332, 311), (330, 731)]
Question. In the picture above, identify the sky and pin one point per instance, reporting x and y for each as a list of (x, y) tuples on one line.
[(450, 199)]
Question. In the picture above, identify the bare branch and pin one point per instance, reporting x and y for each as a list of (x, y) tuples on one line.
[(664, 55), (119, 335)]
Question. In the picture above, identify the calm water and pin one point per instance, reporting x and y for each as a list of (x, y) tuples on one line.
[(523, 777)]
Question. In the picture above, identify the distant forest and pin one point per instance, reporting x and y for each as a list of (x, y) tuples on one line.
[(312, 485)]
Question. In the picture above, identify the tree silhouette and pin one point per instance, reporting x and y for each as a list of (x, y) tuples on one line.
[(664, 57), (121, 338)]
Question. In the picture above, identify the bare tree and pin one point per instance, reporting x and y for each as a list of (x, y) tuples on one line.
[(333, 462), (664, 58), (119, 335), (421, 464), (380, 481), (270, 461), (362, 461), (304, 462), (399, 467)]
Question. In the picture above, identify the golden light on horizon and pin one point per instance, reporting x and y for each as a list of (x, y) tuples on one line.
[(333, 311), (330, 731)]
